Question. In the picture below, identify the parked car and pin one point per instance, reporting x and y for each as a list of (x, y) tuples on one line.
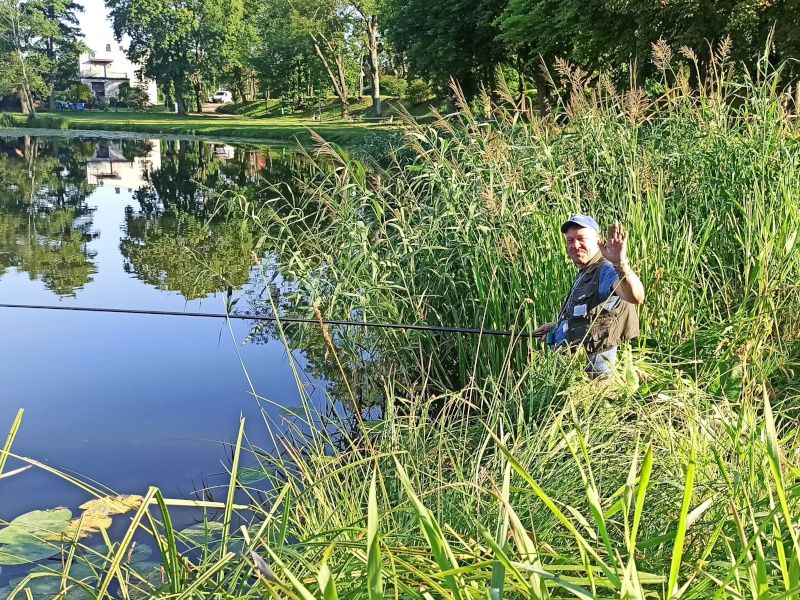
[(221, 97)]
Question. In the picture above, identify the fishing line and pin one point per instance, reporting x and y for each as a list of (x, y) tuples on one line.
[(249, 317)]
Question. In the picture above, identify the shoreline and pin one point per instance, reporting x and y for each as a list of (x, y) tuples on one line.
[(197, 128)]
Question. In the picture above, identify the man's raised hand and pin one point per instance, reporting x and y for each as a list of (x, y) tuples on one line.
[(615, 248)]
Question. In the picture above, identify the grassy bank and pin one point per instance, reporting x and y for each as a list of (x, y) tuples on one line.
[(237, 128), (498, 470)]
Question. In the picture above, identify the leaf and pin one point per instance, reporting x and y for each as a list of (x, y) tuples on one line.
[(97, 515), (24, 553), (252, 475), (374, 579), (35, 526), (201, 532), (112, 505), (433, 533), (84, 526), (680, 534)]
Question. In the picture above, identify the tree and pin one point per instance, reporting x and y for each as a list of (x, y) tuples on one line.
[(182, 42), (367, 10), (441, 40), (331, 29), (22, 67), (60, 42), (284, 56), (39, 48)]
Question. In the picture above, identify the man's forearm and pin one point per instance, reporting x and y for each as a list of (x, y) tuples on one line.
[(630, 287)]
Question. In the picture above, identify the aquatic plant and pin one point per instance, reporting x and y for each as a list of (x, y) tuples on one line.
[(497, 469)]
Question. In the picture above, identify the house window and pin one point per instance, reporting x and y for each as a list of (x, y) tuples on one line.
[(108, 47), (98, 89)]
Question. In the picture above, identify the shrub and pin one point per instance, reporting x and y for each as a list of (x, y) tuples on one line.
[(393, 86), (418, 91), (46, 122), (133, 96), (77, 92)]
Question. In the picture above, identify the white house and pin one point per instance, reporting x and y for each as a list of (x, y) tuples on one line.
[(106, 68)]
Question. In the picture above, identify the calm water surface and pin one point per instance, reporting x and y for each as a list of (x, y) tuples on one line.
[(130, 401)]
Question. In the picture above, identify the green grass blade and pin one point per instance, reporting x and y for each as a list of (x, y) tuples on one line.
[(644, 480), (232, 482), (680, 534), (440, 549), (10, 439), (374, 569), (774, 456)]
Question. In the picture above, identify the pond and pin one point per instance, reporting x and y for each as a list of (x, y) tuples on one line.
[(134, 400)]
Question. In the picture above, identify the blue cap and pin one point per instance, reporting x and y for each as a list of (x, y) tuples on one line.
[(580, 221)]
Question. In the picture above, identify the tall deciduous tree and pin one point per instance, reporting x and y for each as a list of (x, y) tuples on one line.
[(331, 29), (448, 39), (183, 42), (39, 48), (368, 10)]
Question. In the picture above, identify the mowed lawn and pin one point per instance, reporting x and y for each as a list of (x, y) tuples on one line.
[(285, 129)]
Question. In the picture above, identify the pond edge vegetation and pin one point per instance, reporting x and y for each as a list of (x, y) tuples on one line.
[(498, 470)]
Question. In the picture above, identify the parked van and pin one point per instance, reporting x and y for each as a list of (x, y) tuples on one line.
[(221, 97)]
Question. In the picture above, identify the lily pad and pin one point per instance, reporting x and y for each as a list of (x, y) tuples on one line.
[(21, 554), (35, 525), (40, 586), (86, 525), (251, 475), (202, 532), (112, 505), (140, 554)]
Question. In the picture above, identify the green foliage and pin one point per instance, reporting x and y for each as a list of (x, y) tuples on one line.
[(39, 45), (419, 91), (518, 477), (393, 86), (77, 92), (135, 97), (178, 43), (436, 49)]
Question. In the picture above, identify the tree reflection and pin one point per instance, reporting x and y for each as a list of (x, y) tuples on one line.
[(45, 224), (187, 236)]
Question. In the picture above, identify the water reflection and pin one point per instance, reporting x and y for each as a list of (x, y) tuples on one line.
[(169, 224), (123, 164), (177, 234), (45, 222)]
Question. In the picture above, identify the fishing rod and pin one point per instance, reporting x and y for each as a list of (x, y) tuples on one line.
[(250, 317)]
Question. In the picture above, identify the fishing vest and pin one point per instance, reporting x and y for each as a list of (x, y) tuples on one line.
[(598, 323)]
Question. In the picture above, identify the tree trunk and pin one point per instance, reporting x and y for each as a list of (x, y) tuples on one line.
[(24, 107), (179, 102), (337, 79), (198, 95), (374, 65)]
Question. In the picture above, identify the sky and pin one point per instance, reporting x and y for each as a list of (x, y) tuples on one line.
[(96, 28)]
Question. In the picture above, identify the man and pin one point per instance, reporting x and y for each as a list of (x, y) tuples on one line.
[(600, 310)]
